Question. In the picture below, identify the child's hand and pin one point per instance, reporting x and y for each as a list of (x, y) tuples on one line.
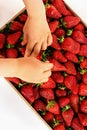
[(37, 35), (32, 70)]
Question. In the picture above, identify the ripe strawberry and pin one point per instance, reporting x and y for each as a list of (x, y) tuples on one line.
[(74, 101), (76, 125), (83, 119), (60, 32), (70, 68), (84, 78), (2, 54), (80, 27), (15, 80), (59, 4), (59, 118), (52, 12), (53, 25), (83, 64), (79, 76), (22, 50), (71, 56), (49, 117), (70, 21), (83, 50), (36, 92), (11, 53), (53, 107), (57, 66), (27, 92), (68, 116), (12, 39), (57, 77), (55, 43), (63, 101), (79, 37), (83, 106), (59, 127), (39, 105), (61, 92), (2, 40), (83, 89), (47, 93), (59, 56), (49, 84), (16, 26), (71, 83), (70, 45), (23, 18)]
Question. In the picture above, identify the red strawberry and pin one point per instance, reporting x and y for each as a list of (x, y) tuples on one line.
[(83, 64), (74, 101), (59, 56), (53, 25), (27, 92), (68, 116), (47, 93), (55, 43), (23, 18), (83, 50), (60, 92), (83, 106), (57, 77), (2, 54), (70, 45), (60, 32), (45, 1), (76, 125), (49, 117), (63, 101), (59, 118), (49, 84), (80, 27), (83, 119), (70, 21), (83, 89), (36, 92), (53, 107), (12, 39), (71, 83), (61, 7), (11, 53), (15, 80), (70, 68), (52, 12), (79, 37), (2, 40), (57, 66), (84, 78), (16, 26), (22, 50), (71, 56), (78, 76), (39, 105), (59, 127)]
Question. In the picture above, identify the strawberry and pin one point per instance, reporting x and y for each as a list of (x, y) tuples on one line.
[(27, 92), (53, 25), (52, 12), (48, 117), (45, 1), (70, 21), (83, 64), (83, 119), (84, 78), (76, 125), (59, 56), (83, 50), (2, 54), (55, 43), (68, 116), (2, 40), (11, 53), (13, 38), (60, 92), (71, 56), (57, 66), (36, 92), (47, 93), (83, 89), (71, 83), (59, 127), (49, 84), (57, 77), (79, 37), (39, 105), (59, 118), (70, 68), (63, 101), (22, 50), (74, 101), (23, 18), (61, 7), (70, 45), (60, 32), (83, 106), (79, 76), (80, 27), (15, 80), (53, 107), (16, 26)]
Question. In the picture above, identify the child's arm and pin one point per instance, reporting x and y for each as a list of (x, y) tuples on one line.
[(37, 34)]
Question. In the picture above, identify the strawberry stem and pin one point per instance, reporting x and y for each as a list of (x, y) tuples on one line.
[(69, 32), (9, 45), (51, 104), (66, 108), (55, 123), (82, 98)]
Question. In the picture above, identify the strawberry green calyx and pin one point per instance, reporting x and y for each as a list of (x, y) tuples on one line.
[(42, 112), (82, 98), (61, 86), (81, 58), (68, 128), (69, 32), (22, 84), (51, 104), (61, 39), (45, 54), (65, 74), (8, 26), (66, 108), (82, 71), (55, 123), (9, 45)]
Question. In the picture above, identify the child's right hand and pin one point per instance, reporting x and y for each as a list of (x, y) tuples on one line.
[(32, 70)]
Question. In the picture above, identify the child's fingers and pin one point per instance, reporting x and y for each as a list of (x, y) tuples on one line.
[(29, 49), (47, 66), (49, 39), (24, 40), (44, 45)]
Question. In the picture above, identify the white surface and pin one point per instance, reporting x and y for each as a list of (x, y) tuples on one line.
[(79, 7), (15, 114)]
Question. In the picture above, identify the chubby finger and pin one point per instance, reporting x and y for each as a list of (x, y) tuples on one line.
[(25, 39), (47, 66), (49, 39), (47, 74), (44, 45)]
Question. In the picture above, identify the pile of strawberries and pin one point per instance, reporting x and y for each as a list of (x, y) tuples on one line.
[(62, 100)]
